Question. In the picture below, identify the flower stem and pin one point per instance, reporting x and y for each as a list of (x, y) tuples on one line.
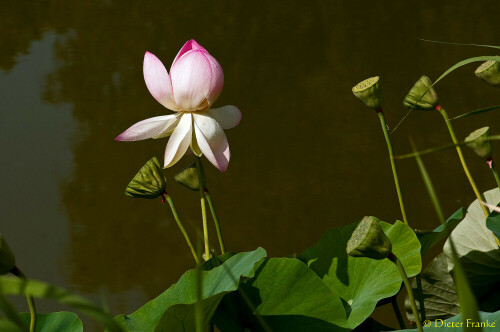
[(402, 272), (181, 226), (203, 206), (216, 220), (395, 307), (491, 163), (393, 164), (479, 196), (31, 302)]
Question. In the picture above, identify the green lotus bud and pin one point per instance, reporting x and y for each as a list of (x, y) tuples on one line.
[(428, 102), (369, 240), (7, 259), (149, 182), (188, 177), (489, 72), (477, 142), (369, 92)]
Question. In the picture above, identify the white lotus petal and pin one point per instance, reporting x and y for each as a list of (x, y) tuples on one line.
[(179, 141), (212, 140), (146, 128), (227, 116)]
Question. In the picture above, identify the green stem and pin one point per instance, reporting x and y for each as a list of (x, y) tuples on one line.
[(216, 220), (203, 207), (420, 295), (491, 163), (409, 290), (31, 302), (494, 170), (395, 307), (393, 164), (181, 226), (478, 194)]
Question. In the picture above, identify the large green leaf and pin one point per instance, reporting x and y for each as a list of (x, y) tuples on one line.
[(455, 324), (174, 309), (55, 321), (290, 297), (431, 238), (16, 286), (362, 282), (476, 247), (438, 290)]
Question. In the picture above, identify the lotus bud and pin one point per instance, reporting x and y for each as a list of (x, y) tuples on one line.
[(188, 177), (369, 92), (489, 72), (428, 102), (477, 142), (7, 259), (149, 182), (369, 240)]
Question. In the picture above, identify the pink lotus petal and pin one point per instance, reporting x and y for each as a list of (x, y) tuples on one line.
[(212, 141), (217, 81), (146, 128), (188, 46), (179, 141), (227, 116), (158, 81), (191, 79)]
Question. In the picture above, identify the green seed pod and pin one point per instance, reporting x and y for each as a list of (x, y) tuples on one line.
[(369, 92), (369, 240), (489, 72), (188, 177), (476, 141), (149, 182), (7, 259), (428, 102)]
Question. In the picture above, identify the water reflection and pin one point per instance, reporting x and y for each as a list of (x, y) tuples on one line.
[(307, 155)]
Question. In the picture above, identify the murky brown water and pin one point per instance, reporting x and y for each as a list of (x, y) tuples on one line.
[(307, 156)]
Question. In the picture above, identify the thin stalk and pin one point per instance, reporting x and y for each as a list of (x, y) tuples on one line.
[(402, 272), (395, 307), (181, 227), (478, 194), (31, 302), (393, 164), (491, 163), (203, 207), (216, 220), (420, 295), (467, 300)]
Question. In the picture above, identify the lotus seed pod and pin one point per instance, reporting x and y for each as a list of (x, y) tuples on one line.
[(369, 240), (478, 143), (188, 177), (369, 92), (428, 102), (489, 72), (7, 259), (149, 182)]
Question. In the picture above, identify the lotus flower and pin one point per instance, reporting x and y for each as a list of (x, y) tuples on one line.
[(194, 83)]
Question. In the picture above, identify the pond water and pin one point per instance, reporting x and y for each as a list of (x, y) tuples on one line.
[(306, 157)]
